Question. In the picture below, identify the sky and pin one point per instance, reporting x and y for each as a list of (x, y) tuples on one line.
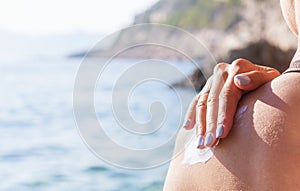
[(46, 17)]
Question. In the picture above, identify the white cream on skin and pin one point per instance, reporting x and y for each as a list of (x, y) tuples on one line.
[(240, 112), (192, 155)]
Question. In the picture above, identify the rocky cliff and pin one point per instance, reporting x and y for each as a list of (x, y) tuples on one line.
[(232, 23), (228, 28)]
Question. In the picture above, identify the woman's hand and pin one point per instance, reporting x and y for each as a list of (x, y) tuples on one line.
[(213, 109)]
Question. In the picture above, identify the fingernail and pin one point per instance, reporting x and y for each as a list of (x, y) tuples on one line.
[(187, 123), (200, 142), (242, 80), (208, 139), (219, 131)]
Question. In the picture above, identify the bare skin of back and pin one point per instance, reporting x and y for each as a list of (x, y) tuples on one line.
[(262, 151)]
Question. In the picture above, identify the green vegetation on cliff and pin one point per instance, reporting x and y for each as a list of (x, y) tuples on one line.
[(199, 13), (194, 14)]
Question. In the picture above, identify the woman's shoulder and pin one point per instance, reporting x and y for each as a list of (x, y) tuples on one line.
[(276, 104), (288, 87), (286, 91), (274, 112), (282, 93)]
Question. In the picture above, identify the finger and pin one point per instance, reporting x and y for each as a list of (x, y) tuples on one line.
[(190, 116), (242, 65), (201, 108), (231, 92), (201, 113), (254, 79), (201, 119), (220, 75), (229, 98)]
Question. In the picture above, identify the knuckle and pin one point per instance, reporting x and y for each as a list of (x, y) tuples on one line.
[(201, 104), (226, 93), (238, 64), (221, 116), (267, 69), (210, 125), (276, 72), (262, 68), (212, 100), (201, 131), (220, 67), (259, 76), (229, 93), (221, 70)]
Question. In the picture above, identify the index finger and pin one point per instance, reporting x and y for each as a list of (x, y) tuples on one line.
[(230, 96)]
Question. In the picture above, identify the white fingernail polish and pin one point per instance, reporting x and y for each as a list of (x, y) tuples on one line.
[(187, 123), (200, 141), (242, 80), (208, 139), (219, 131)]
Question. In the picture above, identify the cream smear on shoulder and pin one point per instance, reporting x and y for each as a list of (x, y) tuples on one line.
[(192, 155)]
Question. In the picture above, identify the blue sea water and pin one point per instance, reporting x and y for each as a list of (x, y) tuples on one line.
[(40, 146)]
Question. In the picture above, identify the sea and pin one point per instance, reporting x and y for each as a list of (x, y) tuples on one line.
[(41, 145)]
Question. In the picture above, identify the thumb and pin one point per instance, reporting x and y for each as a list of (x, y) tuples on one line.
[(252, 80)]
